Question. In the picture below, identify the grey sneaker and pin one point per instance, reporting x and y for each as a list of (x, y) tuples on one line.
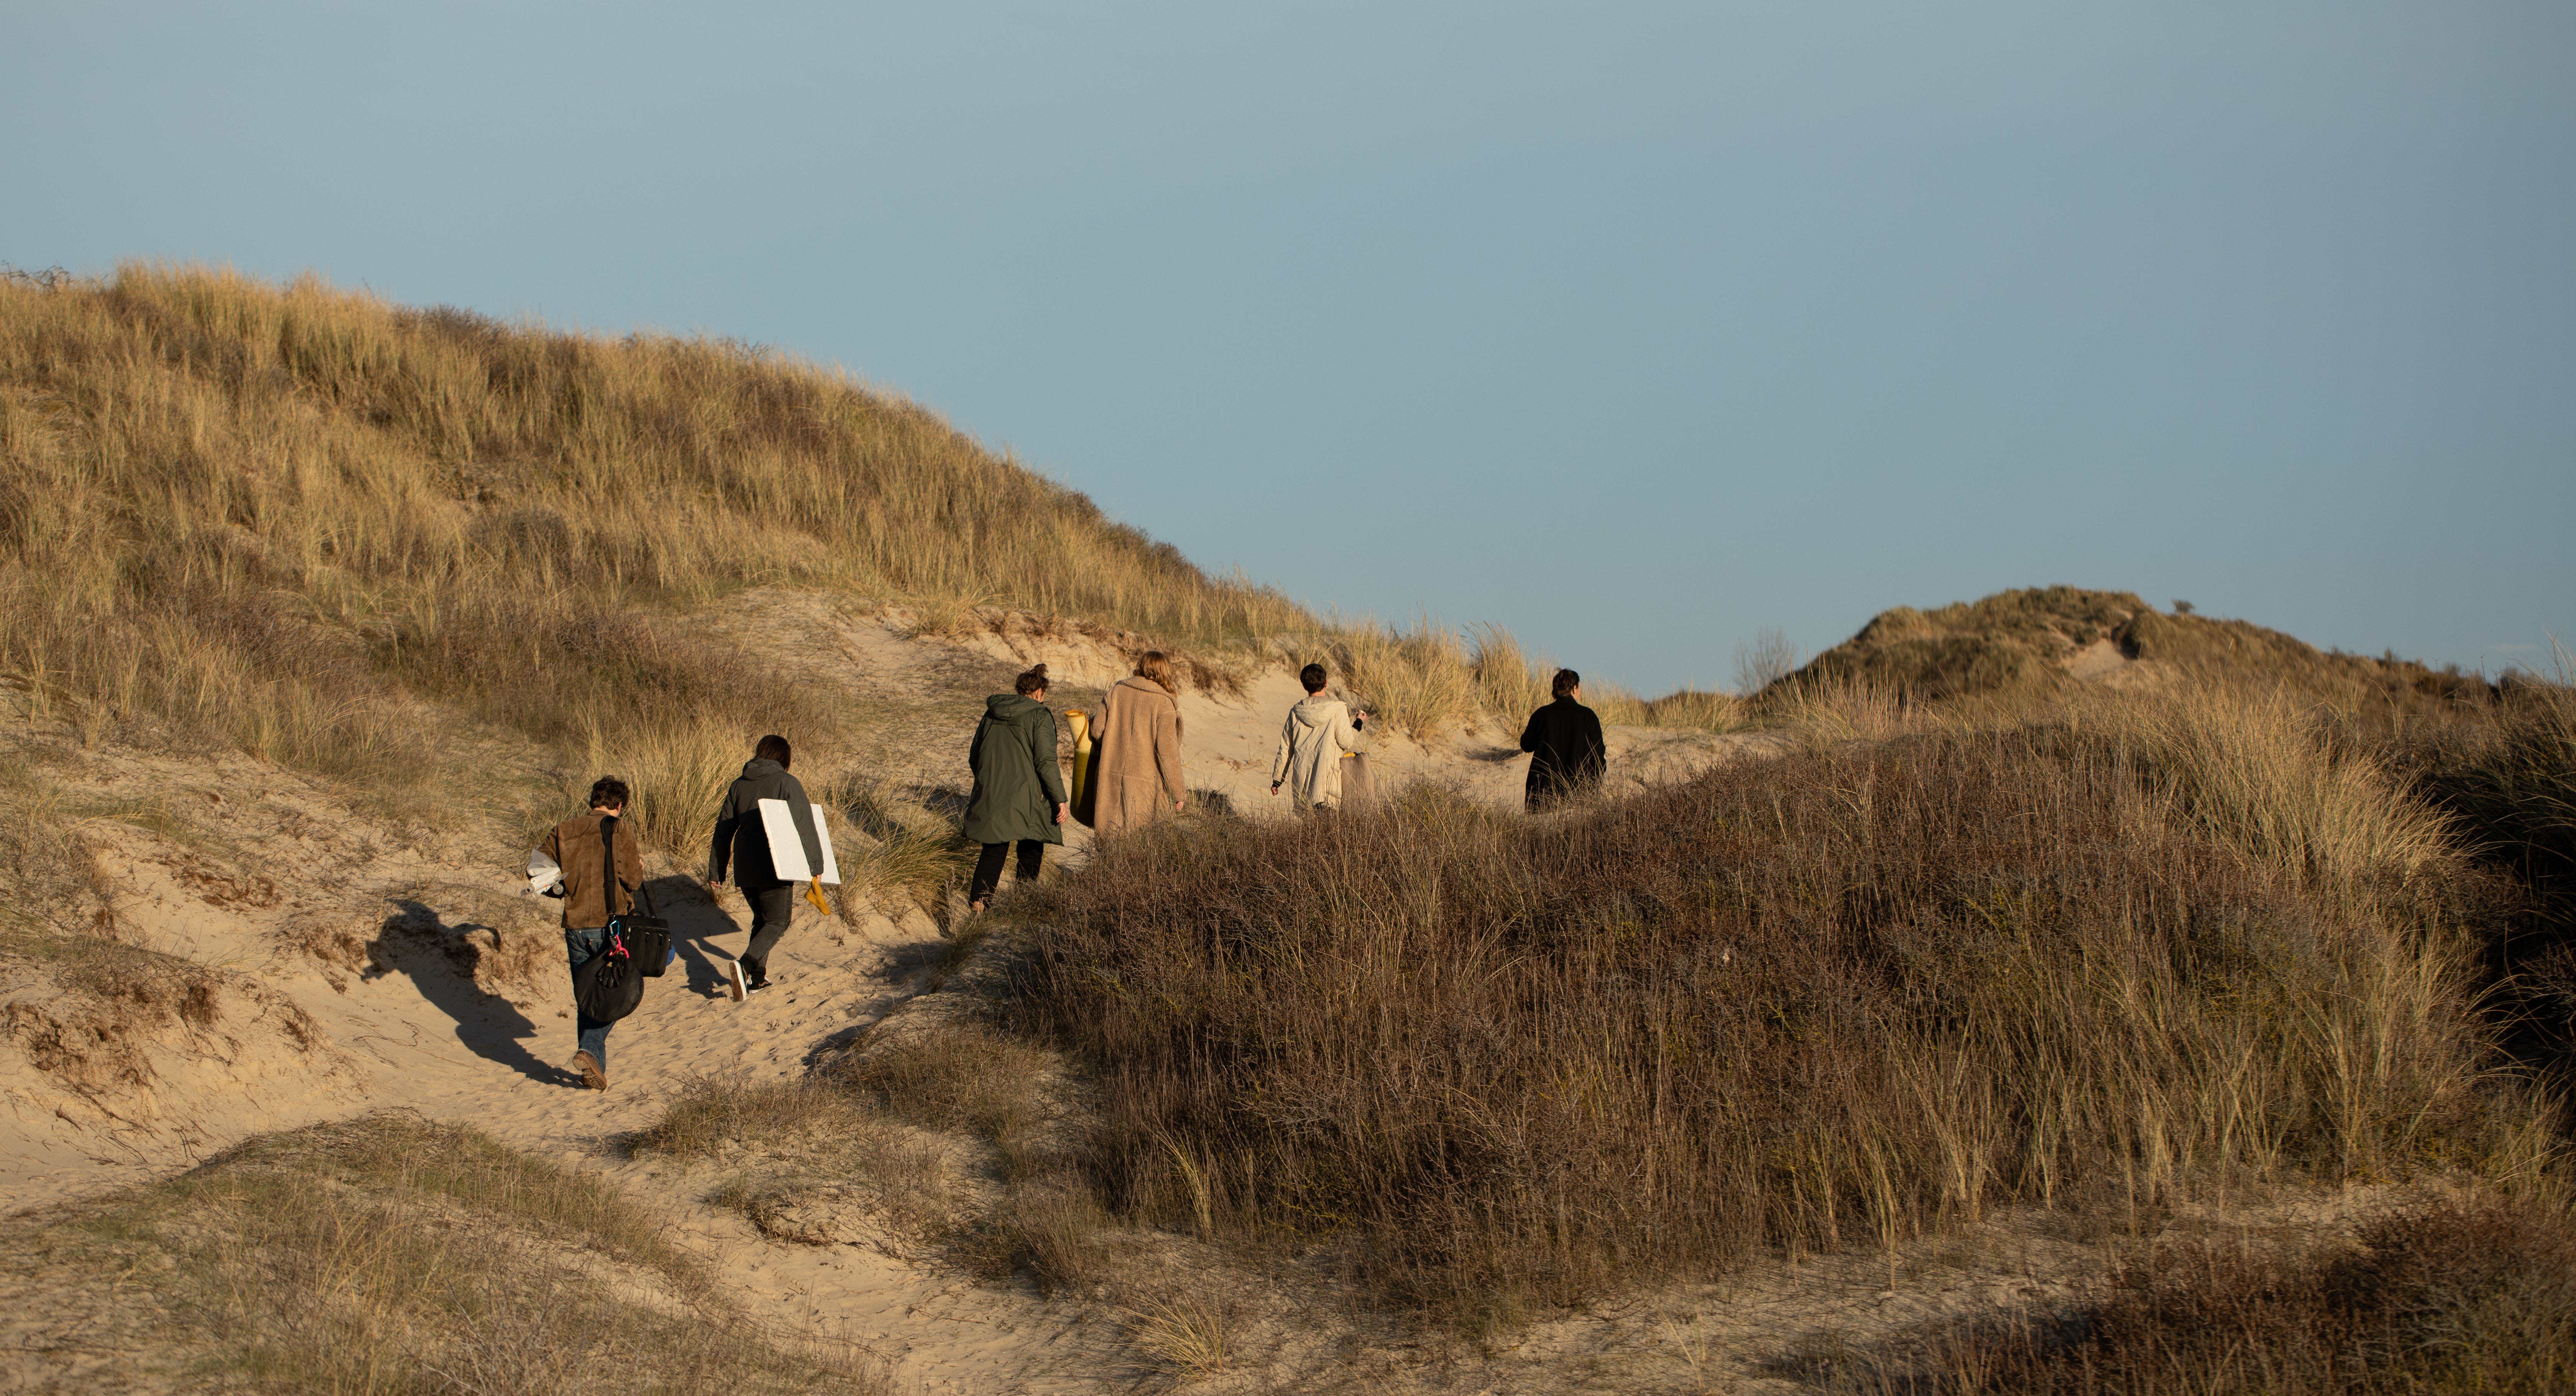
[(735, 985), (592, 1076)]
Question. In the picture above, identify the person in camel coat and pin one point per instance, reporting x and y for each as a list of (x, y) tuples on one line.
[(1136, 766)]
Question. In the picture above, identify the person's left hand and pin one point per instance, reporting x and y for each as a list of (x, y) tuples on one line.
[(1059, 811)]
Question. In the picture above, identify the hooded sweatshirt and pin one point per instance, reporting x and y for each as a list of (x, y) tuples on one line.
[(1017, 782), (1311, 744), (740, 837)]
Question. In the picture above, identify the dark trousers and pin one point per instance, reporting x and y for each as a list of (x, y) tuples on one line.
[(988, 866), (771, 909)]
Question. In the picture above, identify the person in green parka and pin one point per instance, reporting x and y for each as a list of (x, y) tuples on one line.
[(1019, 793)]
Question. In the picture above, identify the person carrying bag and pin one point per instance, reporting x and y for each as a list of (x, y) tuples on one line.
[(610, 949)]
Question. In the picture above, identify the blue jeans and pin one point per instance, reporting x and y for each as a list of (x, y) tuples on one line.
[(579, 946)]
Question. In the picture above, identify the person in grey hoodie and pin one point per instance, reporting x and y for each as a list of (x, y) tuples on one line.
[(1311, 743), (1019, 792), (742, 840)]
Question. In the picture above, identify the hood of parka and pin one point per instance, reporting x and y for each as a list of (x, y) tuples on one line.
[(1010, 707), (760, 766)]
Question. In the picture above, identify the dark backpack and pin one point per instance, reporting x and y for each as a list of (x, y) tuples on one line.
[(610, 984)]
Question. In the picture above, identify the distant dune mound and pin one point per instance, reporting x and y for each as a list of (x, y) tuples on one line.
[(2034, 639)]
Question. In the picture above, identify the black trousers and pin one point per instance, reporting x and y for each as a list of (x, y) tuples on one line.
[(988, 866), (771, 909)]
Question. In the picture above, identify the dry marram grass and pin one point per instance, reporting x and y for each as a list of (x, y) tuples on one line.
[(1841, 999), (391, 1255)]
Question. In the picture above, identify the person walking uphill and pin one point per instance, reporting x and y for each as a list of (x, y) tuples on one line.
[(1136, 768), (591, 900), (1563, 739), (1311, 743), (1019, 793), (742, 837)]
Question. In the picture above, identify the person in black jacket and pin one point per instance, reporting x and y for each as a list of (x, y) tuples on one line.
[(742, 839), (1563, 739)]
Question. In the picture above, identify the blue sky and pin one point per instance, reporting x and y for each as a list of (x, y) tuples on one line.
[(1635, 328)]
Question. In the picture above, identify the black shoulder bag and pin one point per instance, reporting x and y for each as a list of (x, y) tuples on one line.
[(610, 984)]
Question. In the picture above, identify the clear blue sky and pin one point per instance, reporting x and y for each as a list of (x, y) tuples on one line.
[(1632, 327)]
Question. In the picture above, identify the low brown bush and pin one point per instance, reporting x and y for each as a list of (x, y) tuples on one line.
[(2455, 1297), (1842, 998)]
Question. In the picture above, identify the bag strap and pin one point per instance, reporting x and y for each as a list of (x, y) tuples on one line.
[(608, 862)]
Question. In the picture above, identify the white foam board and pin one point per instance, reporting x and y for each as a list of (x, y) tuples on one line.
[(787, 852), (831, 874)]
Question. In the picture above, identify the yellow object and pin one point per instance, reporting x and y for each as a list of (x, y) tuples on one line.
[(1080, 722), (814, 894)]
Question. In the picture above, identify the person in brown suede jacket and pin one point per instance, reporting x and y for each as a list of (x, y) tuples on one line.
[(590, 899)]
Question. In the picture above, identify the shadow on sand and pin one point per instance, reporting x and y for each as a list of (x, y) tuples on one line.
[(417, 941), (695, 920)]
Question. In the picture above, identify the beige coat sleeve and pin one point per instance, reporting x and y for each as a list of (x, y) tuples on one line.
[(1167, 751), (1287, 748)]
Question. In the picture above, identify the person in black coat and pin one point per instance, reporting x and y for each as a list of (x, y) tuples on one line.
[(1563, 739), (742, 841)]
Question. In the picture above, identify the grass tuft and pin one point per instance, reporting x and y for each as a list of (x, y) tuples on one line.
[(392, 1255), (1846, 998)]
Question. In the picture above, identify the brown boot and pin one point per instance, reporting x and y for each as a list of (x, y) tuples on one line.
[(591, 1075)]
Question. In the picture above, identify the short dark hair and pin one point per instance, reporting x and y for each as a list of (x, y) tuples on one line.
[(1314, 677), (771, 748), (1565, 682), (608, 792), (1034, 681)]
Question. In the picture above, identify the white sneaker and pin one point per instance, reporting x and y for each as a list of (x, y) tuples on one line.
[(735, 987)]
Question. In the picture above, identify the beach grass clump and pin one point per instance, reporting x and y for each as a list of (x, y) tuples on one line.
[(389, 1254), (2464, 1295), (1847, 998)]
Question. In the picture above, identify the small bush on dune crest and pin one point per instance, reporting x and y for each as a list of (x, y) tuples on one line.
[(1840, 999)]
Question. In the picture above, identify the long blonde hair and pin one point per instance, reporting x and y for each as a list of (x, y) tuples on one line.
[(1157, 666)]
